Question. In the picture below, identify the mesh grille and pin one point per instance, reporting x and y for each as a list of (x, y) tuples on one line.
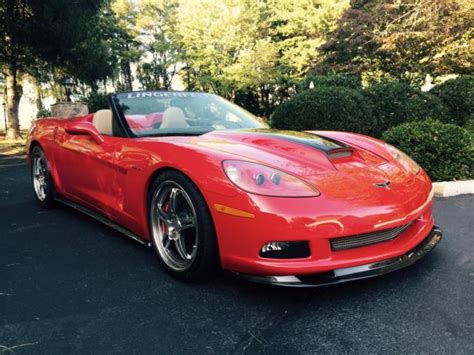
[(361, 240)]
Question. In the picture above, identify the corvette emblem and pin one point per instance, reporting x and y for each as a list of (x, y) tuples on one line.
[(385, 184)]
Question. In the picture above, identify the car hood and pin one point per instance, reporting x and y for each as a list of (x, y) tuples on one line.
[(342, 166), (318, 159), (299, 153)]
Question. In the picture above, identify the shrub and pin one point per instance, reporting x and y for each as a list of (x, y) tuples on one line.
[(457, 96), (444, 150), (43, 113), (332, 108), (95, 101), (344, 80), (394, 103), (470, 126)]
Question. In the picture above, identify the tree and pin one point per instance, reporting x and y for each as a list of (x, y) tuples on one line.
[(212, 35), (95, 57), (34, 32), (125, 45), (402, 39), (299, 27), (156, 23), (239, 48)]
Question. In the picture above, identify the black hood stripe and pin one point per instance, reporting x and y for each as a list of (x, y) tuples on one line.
[(322, 144)]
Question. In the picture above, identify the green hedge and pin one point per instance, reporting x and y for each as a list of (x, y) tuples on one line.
[(445, 151), (96, 101), (371, 111), (333, 108), (457, 95), (394, 103), (344, 80)]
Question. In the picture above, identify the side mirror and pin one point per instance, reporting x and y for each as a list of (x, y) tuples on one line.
[(84, 128)]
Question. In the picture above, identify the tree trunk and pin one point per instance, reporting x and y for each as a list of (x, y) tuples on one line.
[(39, 95), (127, 75), (14, 91)]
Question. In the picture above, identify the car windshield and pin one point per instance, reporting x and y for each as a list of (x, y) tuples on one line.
[(155, 113)]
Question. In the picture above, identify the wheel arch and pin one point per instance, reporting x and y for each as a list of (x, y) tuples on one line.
[(34, 143), (53, 169), (148, 187), (159, 171)]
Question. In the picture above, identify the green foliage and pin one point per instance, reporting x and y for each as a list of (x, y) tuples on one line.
[(470, 126), (156, 19), (35, 31), (405, 39), (394, 103), (43, 113), (335, 79), (96, 101), (299, 27), (332, 108), (351, 108), (260, 47), (457, 96), (445, 151)]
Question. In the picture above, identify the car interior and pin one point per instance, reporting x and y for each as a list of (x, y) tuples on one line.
[(102, 120), (172, 117)]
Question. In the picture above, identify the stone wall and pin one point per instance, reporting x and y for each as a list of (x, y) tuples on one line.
[(69, 109)]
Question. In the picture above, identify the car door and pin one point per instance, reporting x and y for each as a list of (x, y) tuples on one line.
[(87, 170)]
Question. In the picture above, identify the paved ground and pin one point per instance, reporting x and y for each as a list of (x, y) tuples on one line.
[(69, 284)]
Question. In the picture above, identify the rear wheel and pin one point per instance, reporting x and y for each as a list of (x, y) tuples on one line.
[(182, 231), (43, 184)]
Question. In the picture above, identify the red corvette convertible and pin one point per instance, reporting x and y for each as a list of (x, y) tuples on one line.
[(210, 186)]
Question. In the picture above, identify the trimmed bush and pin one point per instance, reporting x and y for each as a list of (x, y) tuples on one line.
[(95, 101), (457, 96), (345, 80), (444, 150), (394, 103), (332, 108), (470, 126)]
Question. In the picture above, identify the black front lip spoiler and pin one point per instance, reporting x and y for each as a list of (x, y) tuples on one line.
[(356, 272)]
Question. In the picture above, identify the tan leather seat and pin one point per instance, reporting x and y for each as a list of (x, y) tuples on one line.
[(173, 117), (102, 120)]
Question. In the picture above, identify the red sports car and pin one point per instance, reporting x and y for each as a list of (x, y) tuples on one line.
[(212, 187)]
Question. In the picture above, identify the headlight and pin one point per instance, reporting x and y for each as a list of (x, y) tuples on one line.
[(263, 180), (407, 162)]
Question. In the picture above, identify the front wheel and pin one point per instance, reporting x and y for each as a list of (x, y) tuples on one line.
[(43, 184), (181, 226)]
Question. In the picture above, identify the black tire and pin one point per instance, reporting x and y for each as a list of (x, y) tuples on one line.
[(46, 200), (205, 262)]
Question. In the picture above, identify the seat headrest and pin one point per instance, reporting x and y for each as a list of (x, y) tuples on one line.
[(103, 122), (173, 117)]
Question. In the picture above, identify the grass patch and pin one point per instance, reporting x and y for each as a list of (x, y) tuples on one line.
[(13, 147)]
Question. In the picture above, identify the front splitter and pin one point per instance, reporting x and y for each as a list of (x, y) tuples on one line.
[(353, 273)]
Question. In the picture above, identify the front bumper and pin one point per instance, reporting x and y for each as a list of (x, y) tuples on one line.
[(353, 273)]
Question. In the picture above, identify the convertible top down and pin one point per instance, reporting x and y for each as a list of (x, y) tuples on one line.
[(212, 187)]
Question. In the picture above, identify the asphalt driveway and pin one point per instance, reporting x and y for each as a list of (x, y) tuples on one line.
[(70, 284)]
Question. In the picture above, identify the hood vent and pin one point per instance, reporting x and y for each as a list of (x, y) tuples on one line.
[(340, 153)]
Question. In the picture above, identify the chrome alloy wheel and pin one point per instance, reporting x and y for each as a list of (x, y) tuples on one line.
[(40, 176), (174, 225)]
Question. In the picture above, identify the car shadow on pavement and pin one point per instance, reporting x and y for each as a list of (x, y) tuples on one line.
[(412, 274)]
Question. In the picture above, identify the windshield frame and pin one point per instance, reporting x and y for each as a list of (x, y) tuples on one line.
[(118, 113)]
